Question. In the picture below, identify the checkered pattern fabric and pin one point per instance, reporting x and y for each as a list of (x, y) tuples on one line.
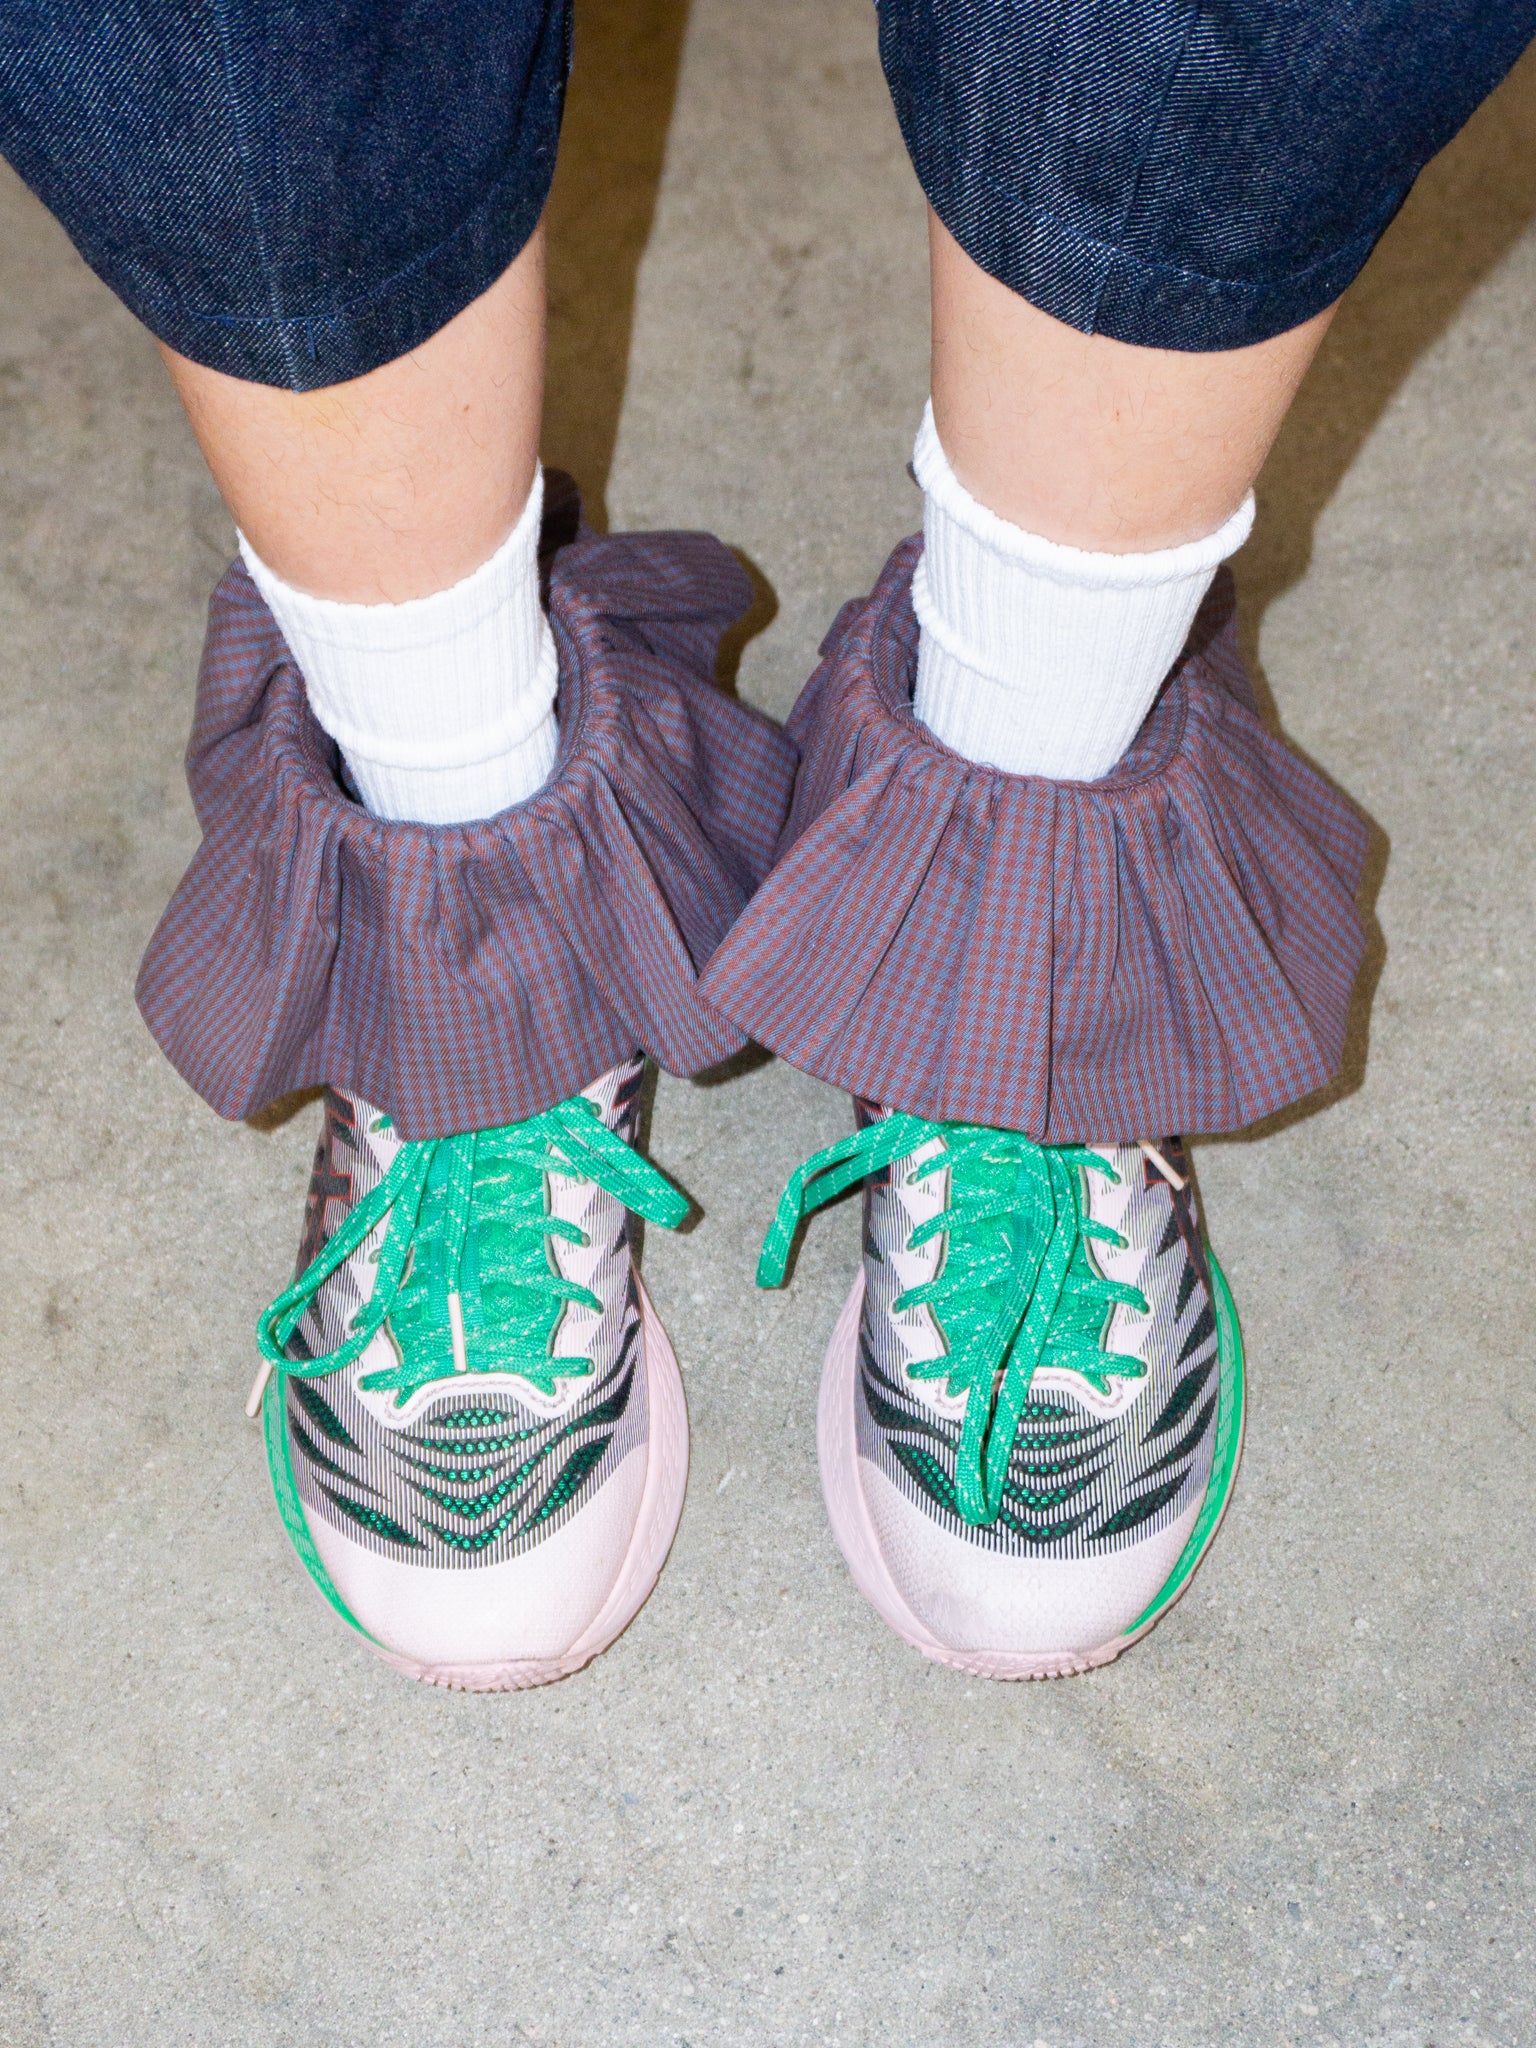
[(1171, 948), (469, 976)]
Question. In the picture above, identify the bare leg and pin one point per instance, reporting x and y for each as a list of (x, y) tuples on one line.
[(399, 483), (1091, 442), (413, 485)]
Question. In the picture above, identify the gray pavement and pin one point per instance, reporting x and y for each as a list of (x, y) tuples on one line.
[(1300, 1812)]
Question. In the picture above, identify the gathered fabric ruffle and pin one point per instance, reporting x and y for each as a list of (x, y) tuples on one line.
[(468, 976), (1171, 948)]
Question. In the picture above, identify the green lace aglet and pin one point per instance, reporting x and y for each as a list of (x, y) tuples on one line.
[(668, 1210)]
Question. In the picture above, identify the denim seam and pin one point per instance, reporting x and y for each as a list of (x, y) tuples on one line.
[(1150, 265), (1133, 192), (150, 292), (238, 117)]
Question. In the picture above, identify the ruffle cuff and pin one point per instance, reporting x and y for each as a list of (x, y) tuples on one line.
[(468, 976), (1171, 948)]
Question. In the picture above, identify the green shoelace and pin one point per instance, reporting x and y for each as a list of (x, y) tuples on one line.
[(465, 1282), (1016, 1289)]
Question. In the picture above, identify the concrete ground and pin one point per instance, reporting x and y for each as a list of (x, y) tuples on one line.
[(1301, 1811)]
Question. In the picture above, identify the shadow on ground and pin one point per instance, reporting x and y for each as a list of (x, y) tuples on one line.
[(1463, 217), (600, 212), (1467, 211)]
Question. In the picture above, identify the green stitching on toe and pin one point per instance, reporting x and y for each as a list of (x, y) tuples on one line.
[(565, 1488), (469, 1418), (323, 1416), (928, 1472), (1040, 1498), (372, 1519), (473, 1541), (1016, 1290), (469, 1508)]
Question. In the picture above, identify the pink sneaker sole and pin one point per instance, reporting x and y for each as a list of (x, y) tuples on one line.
[(661, 1509), (837, 1449)]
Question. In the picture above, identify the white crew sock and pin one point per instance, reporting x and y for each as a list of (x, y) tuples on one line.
[(1037, 658), (443, 706)]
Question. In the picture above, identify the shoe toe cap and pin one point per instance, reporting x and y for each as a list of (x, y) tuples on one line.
[(972, 1598), (532, 1608)]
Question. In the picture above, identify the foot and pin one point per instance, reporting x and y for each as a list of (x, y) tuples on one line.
[(1032, 1409), (474, 1421)]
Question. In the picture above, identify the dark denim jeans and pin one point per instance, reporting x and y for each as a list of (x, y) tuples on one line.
[(295, 191), (290, 190), (1193, 174)]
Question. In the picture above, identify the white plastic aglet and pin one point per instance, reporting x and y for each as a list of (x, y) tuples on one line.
[(456, 1325), (253, 1405), (1174, 1180)]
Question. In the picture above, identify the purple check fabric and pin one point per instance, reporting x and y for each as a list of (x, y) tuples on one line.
[(469, 976), (1171, 948)]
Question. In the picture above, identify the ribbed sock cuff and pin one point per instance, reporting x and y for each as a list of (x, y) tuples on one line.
[(442, 706), (1037, 658)]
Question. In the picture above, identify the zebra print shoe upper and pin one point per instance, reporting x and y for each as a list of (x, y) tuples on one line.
[(1107, 1449), (462, 1376), (1044, 1388)]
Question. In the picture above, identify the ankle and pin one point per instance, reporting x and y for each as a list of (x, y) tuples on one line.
[(443, 706), (1037, 658)]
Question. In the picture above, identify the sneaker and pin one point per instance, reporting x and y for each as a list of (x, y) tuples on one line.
[(1032, 1409), (474, 1421)]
